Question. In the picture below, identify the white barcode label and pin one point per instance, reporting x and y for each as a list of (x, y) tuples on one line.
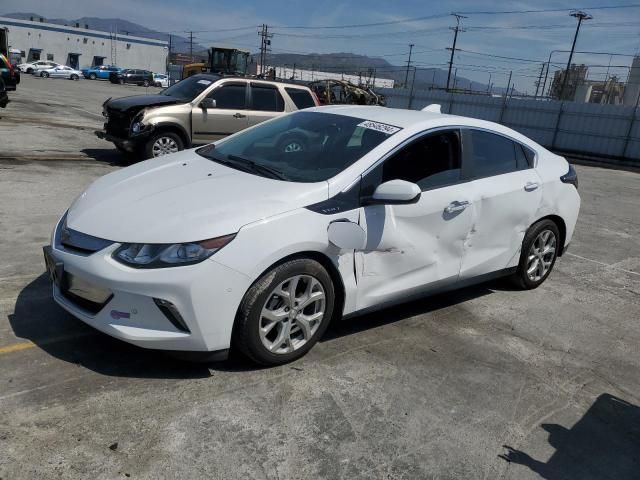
[(380, 127)]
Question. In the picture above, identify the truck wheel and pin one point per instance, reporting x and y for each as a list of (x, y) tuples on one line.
[(163, 143)]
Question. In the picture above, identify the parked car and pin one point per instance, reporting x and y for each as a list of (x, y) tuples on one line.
[(61, 72), (102, 72), (4, 98), (240, 244), (9, 74), (160, 80), (196, 110), (143, 78), (30, 67)]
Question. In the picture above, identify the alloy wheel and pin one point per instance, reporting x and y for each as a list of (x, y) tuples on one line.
[(541, 255), (164, 146), (292, 314)]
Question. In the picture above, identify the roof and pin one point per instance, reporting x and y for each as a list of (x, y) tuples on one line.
[(418, 120)]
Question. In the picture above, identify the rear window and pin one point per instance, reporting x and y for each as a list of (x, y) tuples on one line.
[(301, 98), (266, 98)]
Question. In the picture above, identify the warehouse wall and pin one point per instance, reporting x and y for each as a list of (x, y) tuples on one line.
[(60, 41), (582, 128)]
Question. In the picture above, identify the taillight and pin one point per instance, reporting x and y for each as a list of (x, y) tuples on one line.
[(570, 177)]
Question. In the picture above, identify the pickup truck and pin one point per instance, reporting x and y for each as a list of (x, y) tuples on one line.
[(102, 72)]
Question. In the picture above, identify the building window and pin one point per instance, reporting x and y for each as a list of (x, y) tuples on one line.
[(23, 53), (68, 39), (85, 40), (50, 57)]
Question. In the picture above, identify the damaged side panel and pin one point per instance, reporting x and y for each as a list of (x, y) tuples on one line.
[(411, 248)]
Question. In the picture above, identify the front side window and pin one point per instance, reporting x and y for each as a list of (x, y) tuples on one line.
[(495, 155), (430, 162), (300, 147), (230, 96), (266, 98)]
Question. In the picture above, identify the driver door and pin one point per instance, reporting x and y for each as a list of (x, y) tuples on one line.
[(416, 247), (227, 117)]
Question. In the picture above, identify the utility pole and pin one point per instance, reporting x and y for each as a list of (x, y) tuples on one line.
[(539, 82), (265, 43), (580, 15), (191, 46), (455, 29), (406, 75), (169, 56), (509, 82)]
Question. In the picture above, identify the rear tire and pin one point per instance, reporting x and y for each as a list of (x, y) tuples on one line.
[(74, 77), (273, 328), (540, 248)]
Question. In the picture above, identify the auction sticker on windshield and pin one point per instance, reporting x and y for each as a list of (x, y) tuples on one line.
[(204, 82), (380, 127)]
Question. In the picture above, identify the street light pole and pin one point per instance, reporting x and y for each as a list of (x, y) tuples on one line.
[(580, 15), (456, 29)]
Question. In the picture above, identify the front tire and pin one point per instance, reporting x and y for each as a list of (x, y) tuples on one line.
[(145, 83), (163, 143), (44, 75), (285, 312), (75, 77), (540, 248), (92, 76)]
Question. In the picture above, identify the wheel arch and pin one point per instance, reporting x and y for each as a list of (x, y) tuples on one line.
[(323, 260), (175, 128), (562, 229)]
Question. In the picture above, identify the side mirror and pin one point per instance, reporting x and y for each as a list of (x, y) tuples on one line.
[(395, 192), (347, 235), (208, 103)]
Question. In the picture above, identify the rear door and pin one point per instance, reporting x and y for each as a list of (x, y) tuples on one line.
[(229, 116), (506, 195), (265, 102)]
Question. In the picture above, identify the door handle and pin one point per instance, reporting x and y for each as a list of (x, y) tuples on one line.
[(456, 206), (531, 186), (239, 115)]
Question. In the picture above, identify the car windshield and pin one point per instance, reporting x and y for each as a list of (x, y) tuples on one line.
[(301, 147), (191, 87)]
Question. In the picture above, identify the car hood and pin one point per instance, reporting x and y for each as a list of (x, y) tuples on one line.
[(141, 101), (183, 198)]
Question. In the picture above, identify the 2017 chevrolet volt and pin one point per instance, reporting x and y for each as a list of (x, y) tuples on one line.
[(246, 244)]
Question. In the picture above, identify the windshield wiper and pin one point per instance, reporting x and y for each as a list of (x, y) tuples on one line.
[(256, 167)]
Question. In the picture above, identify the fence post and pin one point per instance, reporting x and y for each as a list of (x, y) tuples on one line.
[(411, 92), (504, 107), (631, 124), (557, 127)]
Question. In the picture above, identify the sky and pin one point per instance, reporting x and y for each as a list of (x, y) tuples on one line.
[(528, 37)]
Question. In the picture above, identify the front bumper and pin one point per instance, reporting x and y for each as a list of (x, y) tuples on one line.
[(130, 144), (206, 295)]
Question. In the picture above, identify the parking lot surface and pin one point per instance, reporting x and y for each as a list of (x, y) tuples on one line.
[(483, 383)]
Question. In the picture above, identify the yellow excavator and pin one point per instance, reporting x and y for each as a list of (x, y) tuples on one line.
[(222, 60)]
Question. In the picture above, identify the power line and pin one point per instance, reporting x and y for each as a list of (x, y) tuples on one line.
[(358, 25), (549, 10)]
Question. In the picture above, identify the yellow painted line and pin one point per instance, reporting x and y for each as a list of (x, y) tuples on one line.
[(16, 347)]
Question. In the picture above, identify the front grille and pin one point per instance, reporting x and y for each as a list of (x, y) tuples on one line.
[(84, 295), (76, 242), (117, 123)]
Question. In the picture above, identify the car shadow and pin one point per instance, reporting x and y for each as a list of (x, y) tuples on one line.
[(604, 443), (39, 319), (110, 156)]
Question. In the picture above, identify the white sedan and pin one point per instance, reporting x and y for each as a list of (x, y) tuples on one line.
[(60, 72), (30, 67), (160, 80), (240, 244)]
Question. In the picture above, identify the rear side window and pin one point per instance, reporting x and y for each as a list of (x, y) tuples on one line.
[(494, 154), (266, 98), (301, 98)]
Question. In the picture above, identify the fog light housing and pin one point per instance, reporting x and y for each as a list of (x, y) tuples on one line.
[(173, 315)]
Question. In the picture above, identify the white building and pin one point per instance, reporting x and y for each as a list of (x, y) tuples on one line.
[(80, 47)]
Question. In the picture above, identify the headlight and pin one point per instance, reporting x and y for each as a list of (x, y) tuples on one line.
[(142, 255)]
